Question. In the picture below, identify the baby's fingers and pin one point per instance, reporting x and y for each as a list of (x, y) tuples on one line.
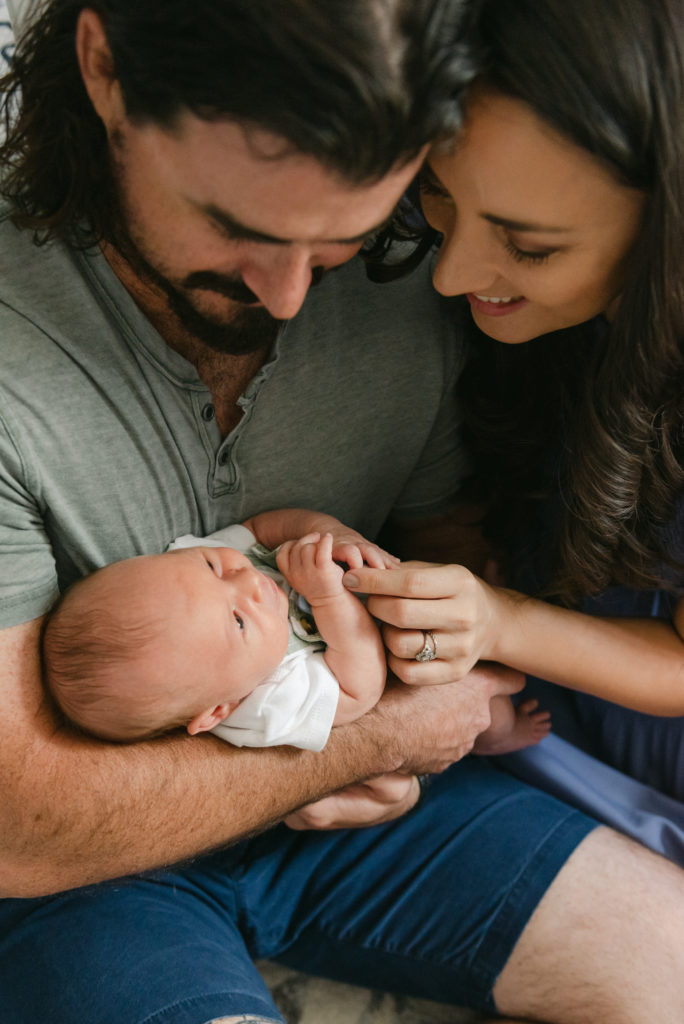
[(284, 555), (324, 551)]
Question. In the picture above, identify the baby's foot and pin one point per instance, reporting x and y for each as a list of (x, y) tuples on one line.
[(529, 727)]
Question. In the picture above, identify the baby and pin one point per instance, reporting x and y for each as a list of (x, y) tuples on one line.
[(213, 635)]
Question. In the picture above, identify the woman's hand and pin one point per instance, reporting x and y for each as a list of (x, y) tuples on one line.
[(367, 803), (462, 613)]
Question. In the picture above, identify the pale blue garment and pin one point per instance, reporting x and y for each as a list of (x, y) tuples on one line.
[(630, 806), (622, 767)]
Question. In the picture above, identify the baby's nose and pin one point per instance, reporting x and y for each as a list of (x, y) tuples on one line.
[(254, 583)]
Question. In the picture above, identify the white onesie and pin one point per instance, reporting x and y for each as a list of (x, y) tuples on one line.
[(296, 705)]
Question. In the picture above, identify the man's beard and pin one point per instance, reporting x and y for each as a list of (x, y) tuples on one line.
[(246, 328)]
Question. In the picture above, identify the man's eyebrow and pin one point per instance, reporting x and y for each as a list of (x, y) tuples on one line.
[(241, 231), (521, 225)]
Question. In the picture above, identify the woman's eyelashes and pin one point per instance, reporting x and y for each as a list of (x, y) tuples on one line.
[(526, 255), (240, 621), (431, 187)]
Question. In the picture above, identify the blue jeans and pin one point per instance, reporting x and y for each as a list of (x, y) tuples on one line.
[(430, 906)]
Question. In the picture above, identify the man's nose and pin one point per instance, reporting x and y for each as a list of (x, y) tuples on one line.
[(281, 279)]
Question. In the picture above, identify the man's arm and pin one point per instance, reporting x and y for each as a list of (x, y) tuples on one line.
[(280, 525), (76, 810)]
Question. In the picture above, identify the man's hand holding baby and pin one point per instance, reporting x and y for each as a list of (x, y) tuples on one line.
[(349, 547)]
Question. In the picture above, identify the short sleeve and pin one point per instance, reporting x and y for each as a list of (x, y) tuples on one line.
[(28, 577)]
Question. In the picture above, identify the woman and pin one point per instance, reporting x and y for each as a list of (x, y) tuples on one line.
[(561, 214)]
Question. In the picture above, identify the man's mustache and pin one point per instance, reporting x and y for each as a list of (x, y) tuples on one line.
[(233, 288), (230, 287)]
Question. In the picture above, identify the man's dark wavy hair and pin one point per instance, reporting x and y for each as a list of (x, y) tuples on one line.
[(608, 76), (361, 85)]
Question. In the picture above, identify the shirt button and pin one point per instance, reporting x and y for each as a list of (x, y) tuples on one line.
[(224, 458), (208, 412)]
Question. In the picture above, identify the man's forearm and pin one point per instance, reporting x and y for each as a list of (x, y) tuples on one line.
[(275, 527), (118, 811), (76, 810)]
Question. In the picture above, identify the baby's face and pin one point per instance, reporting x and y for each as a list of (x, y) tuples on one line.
[(226, 623)]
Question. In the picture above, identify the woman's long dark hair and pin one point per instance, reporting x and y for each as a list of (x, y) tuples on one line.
[(594, 414)]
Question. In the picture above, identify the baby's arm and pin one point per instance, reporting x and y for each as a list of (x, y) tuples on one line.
[(355, 654), (279, 525)]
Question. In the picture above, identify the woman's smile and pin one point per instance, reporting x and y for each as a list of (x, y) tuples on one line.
[(536, 232)]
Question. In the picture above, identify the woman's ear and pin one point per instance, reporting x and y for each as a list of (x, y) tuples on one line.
[(206, 720), (97, 69)]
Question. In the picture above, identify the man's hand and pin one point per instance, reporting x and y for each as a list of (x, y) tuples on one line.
[(348, 546), (355, 551), (435, 726), (361, 805)]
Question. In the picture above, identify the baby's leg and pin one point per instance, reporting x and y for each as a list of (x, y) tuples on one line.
[(512, 727)]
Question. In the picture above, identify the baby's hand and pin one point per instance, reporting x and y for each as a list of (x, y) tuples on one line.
[(308, 565), (354, 550)]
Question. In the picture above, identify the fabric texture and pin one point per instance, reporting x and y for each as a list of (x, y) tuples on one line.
[(429, 905), (109, 445)]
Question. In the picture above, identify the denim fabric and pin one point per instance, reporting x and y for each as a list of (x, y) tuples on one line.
[(431, 906)]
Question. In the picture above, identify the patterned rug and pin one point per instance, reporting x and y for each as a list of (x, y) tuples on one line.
[(306, 1000)]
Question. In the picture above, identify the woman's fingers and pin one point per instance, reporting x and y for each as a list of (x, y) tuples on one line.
[(442, 606), (406, 614), (455, 654), (424, 582), (431, 673), (404, 643)]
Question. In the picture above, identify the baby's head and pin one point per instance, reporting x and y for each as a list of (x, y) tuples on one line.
[(159, 641)]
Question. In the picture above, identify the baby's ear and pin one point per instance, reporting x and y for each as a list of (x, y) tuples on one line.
[(206, 720)]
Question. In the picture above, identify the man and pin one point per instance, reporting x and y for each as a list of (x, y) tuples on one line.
[(216, 159)]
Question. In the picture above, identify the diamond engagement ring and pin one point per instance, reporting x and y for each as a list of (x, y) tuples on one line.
[(428, 651)]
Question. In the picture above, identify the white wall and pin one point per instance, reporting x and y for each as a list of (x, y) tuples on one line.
[(6, 37), (17, 9)]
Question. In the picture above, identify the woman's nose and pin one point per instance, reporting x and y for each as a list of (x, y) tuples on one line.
[(463, 265)]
